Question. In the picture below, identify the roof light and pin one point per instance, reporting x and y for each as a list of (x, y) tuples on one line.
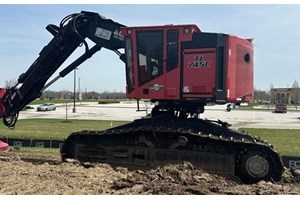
[(186, 30)]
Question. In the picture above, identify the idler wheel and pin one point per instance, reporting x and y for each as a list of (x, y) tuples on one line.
[(252, 167), (257, 166)]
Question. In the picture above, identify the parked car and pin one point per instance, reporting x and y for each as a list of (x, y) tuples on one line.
[(280, 108), (46, 107)]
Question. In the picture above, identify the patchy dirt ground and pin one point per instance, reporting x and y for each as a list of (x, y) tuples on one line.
[(24, 175)]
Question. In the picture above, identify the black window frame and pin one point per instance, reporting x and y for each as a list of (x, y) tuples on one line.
[(150, 48), (172, 49)]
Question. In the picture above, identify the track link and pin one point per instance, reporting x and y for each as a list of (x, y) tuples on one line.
[(146, 143)]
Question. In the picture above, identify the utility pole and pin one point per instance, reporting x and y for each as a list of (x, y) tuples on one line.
[(74, 106), (79, 93)]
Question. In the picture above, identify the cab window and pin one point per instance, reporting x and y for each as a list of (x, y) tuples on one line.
[(150, 55)]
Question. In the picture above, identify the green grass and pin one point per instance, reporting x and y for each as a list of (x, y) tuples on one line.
[(53, 128), (56, 101), (36, 152), (285, 141), (108, 101)]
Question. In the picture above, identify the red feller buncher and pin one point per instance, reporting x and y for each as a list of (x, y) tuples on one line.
[(180, 69)]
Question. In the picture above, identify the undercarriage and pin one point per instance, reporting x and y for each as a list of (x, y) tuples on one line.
[(168, 139)]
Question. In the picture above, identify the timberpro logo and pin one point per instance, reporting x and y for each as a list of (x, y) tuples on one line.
[(156, 87), (199, 62), (118, 35)]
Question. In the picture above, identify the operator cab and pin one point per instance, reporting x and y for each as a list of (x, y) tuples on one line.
[(178, 65), (149, 63)]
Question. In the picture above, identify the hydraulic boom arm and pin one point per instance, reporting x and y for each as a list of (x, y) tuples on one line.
[(70, 34)]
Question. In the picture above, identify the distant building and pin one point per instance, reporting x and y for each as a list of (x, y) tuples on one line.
[(285, 95)]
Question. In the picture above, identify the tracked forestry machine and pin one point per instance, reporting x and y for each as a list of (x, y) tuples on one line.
[(180, 69)]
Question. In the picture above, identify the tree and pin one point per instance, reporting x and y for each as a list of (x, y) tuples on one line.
[(295, 94), (260, 96), (295, 84), (271, 96), (10, 83)]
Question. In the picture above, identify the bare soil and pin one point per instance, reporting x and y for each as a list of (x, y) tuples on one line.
[(21, 174)]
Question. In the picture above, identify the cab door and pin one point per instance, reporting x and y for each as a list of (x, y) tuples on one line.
[(199, 73)]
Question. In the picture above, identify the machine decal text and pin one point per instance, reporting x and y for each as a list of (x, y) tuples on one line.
[(103, 33), (199, 62), (118, 35), (156, 87)]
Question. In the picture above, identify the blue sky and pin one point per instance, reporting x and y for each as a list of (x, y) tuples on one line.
[(275, 29)]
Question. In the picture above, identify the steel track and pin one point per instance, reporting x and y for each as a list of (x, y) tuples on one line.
[(151, 142)]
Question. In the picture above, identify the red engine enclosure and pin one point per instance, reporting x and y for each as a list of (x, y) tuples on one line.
[(240, 69), (208, 67)]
